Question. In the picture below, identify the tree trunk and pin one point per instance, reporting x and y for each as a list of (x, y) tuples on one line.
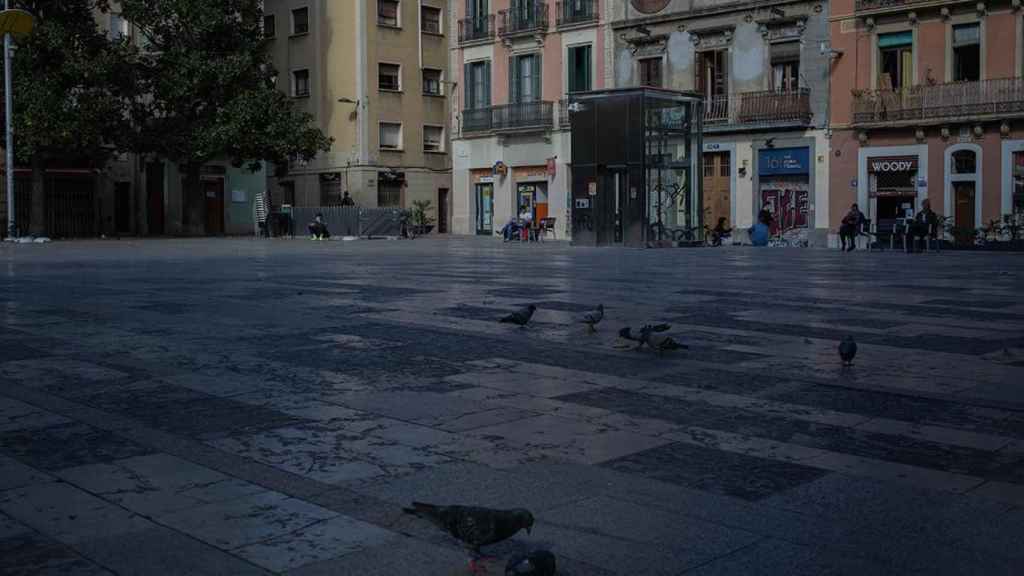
[(193, 202), (37, 220)]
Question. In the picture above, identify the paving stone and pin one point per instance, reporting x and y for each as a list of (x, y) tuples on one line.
[(330, 538), (68, 514), (67, 445), (29, 554)]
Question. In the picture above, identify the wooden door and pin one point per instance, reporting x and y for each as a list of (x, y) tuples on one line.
[(442, 211), (717, 201), (214, 192), (964, 204)]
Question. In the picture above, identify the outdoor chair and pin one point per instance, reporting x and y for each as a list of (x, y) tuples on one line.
[(547, 226), (867, 232)]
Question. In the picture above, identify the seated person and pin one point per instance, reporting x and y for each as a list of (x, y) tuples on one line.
[(924, 225), (720, 231), (510, 231), (318, 229), (850, 227)]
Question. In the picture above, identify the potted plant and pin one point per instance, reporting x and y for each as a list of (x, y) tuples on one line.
[(421, 218)]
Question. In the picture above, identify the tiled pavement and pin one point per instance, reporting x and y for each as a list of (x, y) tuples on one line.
[(252, 407)]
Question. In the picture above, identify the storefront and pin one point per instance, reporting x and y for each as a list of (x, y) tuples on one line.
[(784, 187), (892, 188)]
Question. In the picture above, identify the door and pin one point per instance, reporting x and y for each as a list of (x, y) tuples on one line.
[(123, 207), (442, 211), (485, 209), (155, 198), (964, 204), (214, 193), (717, 201)]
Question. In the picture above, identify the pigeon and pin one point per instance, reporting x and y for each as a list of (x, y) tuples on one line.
[(474, 526), (536, 563), (594, 317), (520, 317), (659, 342), (847, 350), (627, 332)]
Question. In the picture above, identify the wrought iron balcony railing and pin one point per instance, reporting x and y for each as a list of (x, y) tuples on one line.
[(571, 12), (767, 108), (524, 17), (476, 29), (516, 117), (940, 102), (865, 5), (563, 113)]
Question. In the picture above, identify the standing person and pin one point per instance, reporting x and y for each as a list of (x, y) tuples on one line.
[(850, 227), (527, 222), (318, 229), (922, 226), (347, 200)]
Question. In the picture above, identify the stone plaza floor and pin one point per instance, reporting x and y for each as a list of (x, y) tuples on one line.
[(240, 406)]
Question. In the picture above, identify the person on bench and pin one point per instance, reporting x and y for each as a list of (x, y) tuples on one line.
[(923, 226), (851, 226)]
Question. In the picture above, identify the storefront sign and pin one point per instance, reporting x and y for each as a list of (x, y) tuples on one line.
[(583, 203), (712, 147), (486, 179), (907, 164), (780, 161)]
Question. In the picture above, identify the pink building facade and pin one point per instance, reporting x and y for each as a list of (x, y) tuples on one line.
[(515, 62)]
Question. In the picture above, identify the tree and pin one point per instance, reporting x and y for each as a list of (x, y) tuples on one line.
[(210, 93), (71, 86)]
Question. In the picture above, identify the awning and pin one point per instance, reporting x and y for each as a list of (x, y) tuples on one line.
[(895, 39)]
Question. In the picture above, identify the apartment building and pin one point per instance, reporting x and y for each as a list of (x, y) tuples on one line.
[(374, 74), (762, 69), (516, 61), (928, 103)]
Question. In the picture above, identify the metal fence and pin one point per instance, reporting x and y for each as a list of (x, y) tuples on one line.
[(349, 220)]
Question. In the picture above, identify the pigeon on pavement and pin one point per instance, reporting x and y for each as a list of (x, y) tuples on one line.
[(659, 342), (474, 526), (594, 317), (847, 350), (520, 317), (536, 563)]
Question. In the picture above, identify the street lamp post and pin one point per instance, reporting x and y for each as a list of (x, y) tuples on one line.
[(8, 110)]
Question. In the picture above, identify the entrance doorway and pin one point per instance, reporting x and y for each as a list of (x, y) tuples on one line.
[(964, 197), (442, 211), (155, 198), (485, 209), (213, 190), (717, 202), (123, 207)]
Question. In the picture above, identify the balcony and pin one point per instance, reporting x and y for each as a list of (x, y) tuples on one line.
[(883, 5), (767, 109), (525, 17), (517, 117), (940, 103), (575, 12), (564, 121), (476, 29)]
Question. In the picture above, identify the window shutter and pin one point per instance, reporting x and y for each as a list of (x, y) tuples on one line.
[(486, 96), (537, 77), (470, 9), (588, 64), (467, 79), (513, 79)]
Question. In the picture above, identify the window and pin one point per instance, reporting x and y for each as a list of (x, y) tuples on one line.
[(390, 136), (579, 68), (896, 60), (967, 53), (713, 73), (649, 70), (431, 82), (118, 27), (389, 189), (389, 77), (330, 189), (478, 85), (300, 83), (964, 162), (387, 13), (525, 74), (300, 21), (430, 20), (269, 26), (786, 66), (433, 139)]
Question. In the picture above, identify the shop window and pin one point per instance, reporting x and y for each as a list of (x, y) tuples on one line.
[(430, 20), (649, 70), (300, 21), (579, 68), (389, 77), (390, 136), (896, 60), (964, 162), (967, 53), (387, 13), (1018, 186), (431, 82), (330, 189), (389, 191), (786, 66)]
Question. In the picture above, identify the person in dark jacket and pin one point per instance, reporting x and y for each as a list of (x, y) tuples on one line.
[(318, 229), (923, 226), (852, 224)]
